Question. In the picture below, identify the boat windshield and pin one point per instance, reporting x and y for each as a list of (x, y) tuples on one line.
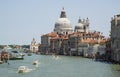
[(14, 51)]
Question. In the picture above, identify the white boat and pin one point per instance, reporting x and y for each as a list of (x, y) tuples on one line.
[(23, 69), (16, 55), (21, 54)]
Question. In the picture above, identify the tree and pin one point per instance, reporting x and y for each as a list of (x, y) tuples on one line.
[(1, 46)]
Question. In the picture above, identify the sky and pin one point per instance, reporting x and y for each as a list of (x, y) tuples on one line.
[(23, 20)]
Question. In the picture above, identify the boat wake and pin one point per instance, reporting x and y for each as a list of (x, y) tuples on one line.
[(24, 69), (36, 63), (55, 57)]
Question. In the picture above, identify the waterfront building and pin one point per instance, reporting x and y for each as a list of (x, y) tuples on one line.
[(45, 42), (82, 43), (63, 40), (55, 44), (34, 46), (108, 50), (115, 38), (65, 45), (59, 45)]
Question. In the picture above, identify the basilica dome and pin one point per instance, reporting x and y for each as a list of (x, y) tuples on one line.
[(63, 25), (79, 26)]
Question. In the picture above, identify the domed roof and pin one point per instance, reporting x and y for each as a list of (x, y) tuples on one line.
[(63, 23), (79, 25)]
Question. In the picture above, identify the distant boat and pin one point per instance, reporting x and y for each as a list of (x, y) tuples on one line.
[(15, 55), (29, 54), (21, 54), (1, 62), (35, 62), (23, 69), (7, 47), (16, 58)]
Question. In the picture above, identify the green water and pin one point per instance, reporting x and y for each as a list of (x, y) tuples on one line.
[(64, 66)]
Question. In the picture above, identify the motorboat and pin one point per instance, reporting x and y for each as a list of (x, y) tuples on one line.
[(1, 62), (35, 62), (29, 54), (16, 58), (23, 69), (21, 54), (15, 55)]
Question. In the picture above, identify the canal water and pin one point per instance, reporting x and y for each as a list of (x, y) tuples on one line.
[(62, 66)]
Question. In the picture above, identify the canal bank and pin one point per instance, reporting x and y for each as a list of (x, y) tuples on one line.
[(64, 66)]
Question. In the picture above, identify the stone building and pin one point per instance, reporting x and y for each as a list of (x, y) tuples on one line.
[(59, 45), (63, 40), (82, 43), (34, 46), (45, 42), (115, 38)]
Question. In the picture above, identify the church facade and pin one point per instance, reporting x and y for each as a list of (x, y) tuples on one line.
[(34, 46)]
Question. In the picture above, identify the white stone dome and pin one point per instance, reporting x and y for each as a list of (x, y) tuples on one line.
[(63, 23), (79, 26)]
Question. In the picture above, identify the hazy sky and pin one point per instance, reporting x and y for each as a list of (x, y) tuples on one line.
[(21, 20)]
